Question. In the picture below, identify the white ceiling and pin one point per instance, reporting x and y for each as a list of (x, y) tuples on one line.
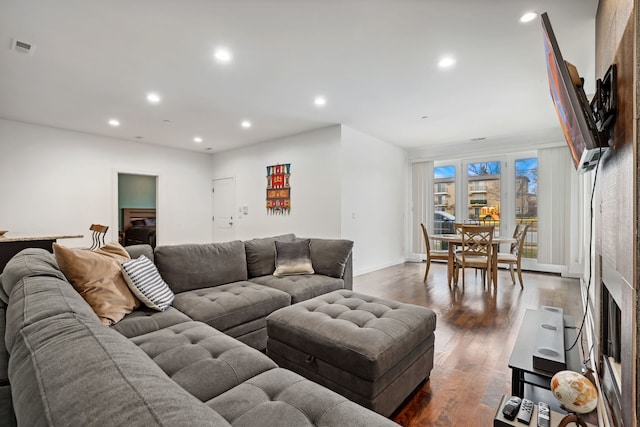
[(374, 60)]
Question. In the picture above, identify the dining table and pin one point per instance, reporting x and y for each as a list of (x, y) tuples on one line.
[(456, 240)]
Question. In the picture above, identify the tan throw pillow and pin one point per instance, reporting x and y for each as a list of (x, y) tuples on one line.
[(293, 258), (97, 276)]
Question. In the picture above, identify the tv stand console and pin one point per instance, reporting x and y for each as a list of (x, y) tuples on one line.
[(521, 360), (500, 421)]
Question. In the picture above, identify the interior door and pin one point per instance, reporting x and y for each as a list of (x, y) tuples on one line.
[(224, 193)]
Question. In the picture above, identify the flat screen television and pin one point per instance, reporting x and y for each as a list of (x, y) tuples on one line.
[(576, 117)]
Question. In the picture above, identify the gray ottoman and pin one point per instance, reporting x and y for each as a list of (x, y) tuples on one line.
[(371, 350)]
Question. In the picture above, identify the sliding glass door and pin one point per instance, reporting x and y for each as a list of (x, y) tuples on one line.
[(526, 203), (484, 197), (501, 191)]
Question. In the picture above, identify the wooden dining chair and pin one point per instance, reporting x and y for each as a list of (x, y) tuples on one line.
[(475, 251), (431, 254), (514, 256), (97, 235)]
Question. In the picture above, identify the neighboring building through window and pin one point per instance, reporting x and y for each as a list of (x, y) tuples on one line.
[(484, 192), (526, 202)]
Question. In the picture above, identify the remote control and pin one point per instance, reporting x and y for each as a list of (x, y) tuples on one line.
[(526, 409), (511, 408), (544, 413)]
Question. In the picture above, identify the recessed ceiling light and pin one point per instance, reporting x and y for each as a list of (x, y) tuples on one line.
[(528, 17), (114, 122), (223, 55), (153, 98), (320, 101), (197, 139), (246, 124), (446, 62)]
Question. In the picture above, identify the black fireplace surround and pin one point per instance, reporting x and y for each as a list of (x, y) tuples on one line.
[(610, 338)]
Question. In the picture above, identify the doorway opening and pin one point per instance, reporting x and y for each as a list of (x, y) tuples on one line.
[(137, 209)]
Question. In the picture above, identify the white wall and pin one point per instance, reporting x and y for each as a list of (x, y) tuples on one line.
[(374, 200), (344, 184), (54, 181), (315, 184)]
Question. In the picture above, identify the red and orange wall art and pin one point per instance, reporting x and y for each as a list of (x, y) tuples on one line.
[(278, 189)]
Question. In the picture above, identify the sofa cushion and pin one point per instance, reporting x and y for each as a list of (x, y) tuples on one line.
[(202, 360), (301, 287), (96, 275), (197, 266), (145, 320), (329, 256), (136, 250), (147, 285), (281, 397), (227, 306), (261, 254), (293, 258)]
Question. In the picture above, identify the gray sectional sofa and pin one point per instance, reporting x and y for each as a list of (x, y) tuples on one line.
[(189, 365), (231, 285)]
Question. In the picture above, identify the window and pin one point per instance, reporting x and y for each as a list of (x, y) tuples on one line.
[(502, 191), (440, 188), (526, 202), (484, 192), (444, 202)]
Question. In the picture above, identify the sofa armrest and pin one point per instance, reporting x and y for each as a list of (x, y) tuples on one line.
[(348, 273)]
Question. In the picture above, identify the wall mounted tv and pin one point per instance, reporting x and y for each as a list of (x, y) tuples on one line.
[(586, 126)]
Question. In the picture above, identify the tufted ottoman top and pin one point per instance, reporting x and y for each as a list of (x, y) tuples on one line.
[(362, 334)]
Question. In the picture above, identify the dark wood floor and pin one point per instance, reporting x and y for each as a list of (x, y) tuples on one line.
[(475, 333)]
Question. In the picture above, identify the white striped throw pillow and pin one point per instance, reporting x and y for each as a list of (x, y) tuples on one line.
[(145, 282)]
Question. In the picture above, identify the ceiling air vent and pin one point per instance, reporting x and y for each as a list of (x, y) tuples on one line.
[(21, 46)]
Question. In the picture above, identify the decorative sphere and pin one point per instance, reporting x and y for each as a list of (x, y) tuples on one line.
[(575, 392)]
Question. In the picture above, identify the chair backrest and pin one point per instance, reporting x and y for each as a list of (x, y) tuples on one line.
[(426, 238), (477, 240), (520, 234), (97, 235)]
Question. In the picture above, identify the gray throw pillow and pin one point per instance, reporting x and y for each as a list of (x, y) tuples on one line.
[(261, 254), (145, 282), (293, 258), (330, 256)]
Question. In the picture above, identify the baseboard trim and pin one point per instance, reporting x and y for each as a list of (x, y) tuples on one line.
[(361, 271)]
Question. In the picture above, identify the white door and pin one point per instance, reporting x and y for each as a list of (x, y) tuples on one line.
[(224, 195)]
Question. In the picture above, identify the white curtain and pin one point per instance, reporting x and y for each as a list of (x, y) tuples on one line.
[(421, 196), (554, 205)]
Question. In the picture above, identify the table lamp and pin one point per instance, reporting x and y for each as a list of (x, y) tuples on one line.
[(576, 394)]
